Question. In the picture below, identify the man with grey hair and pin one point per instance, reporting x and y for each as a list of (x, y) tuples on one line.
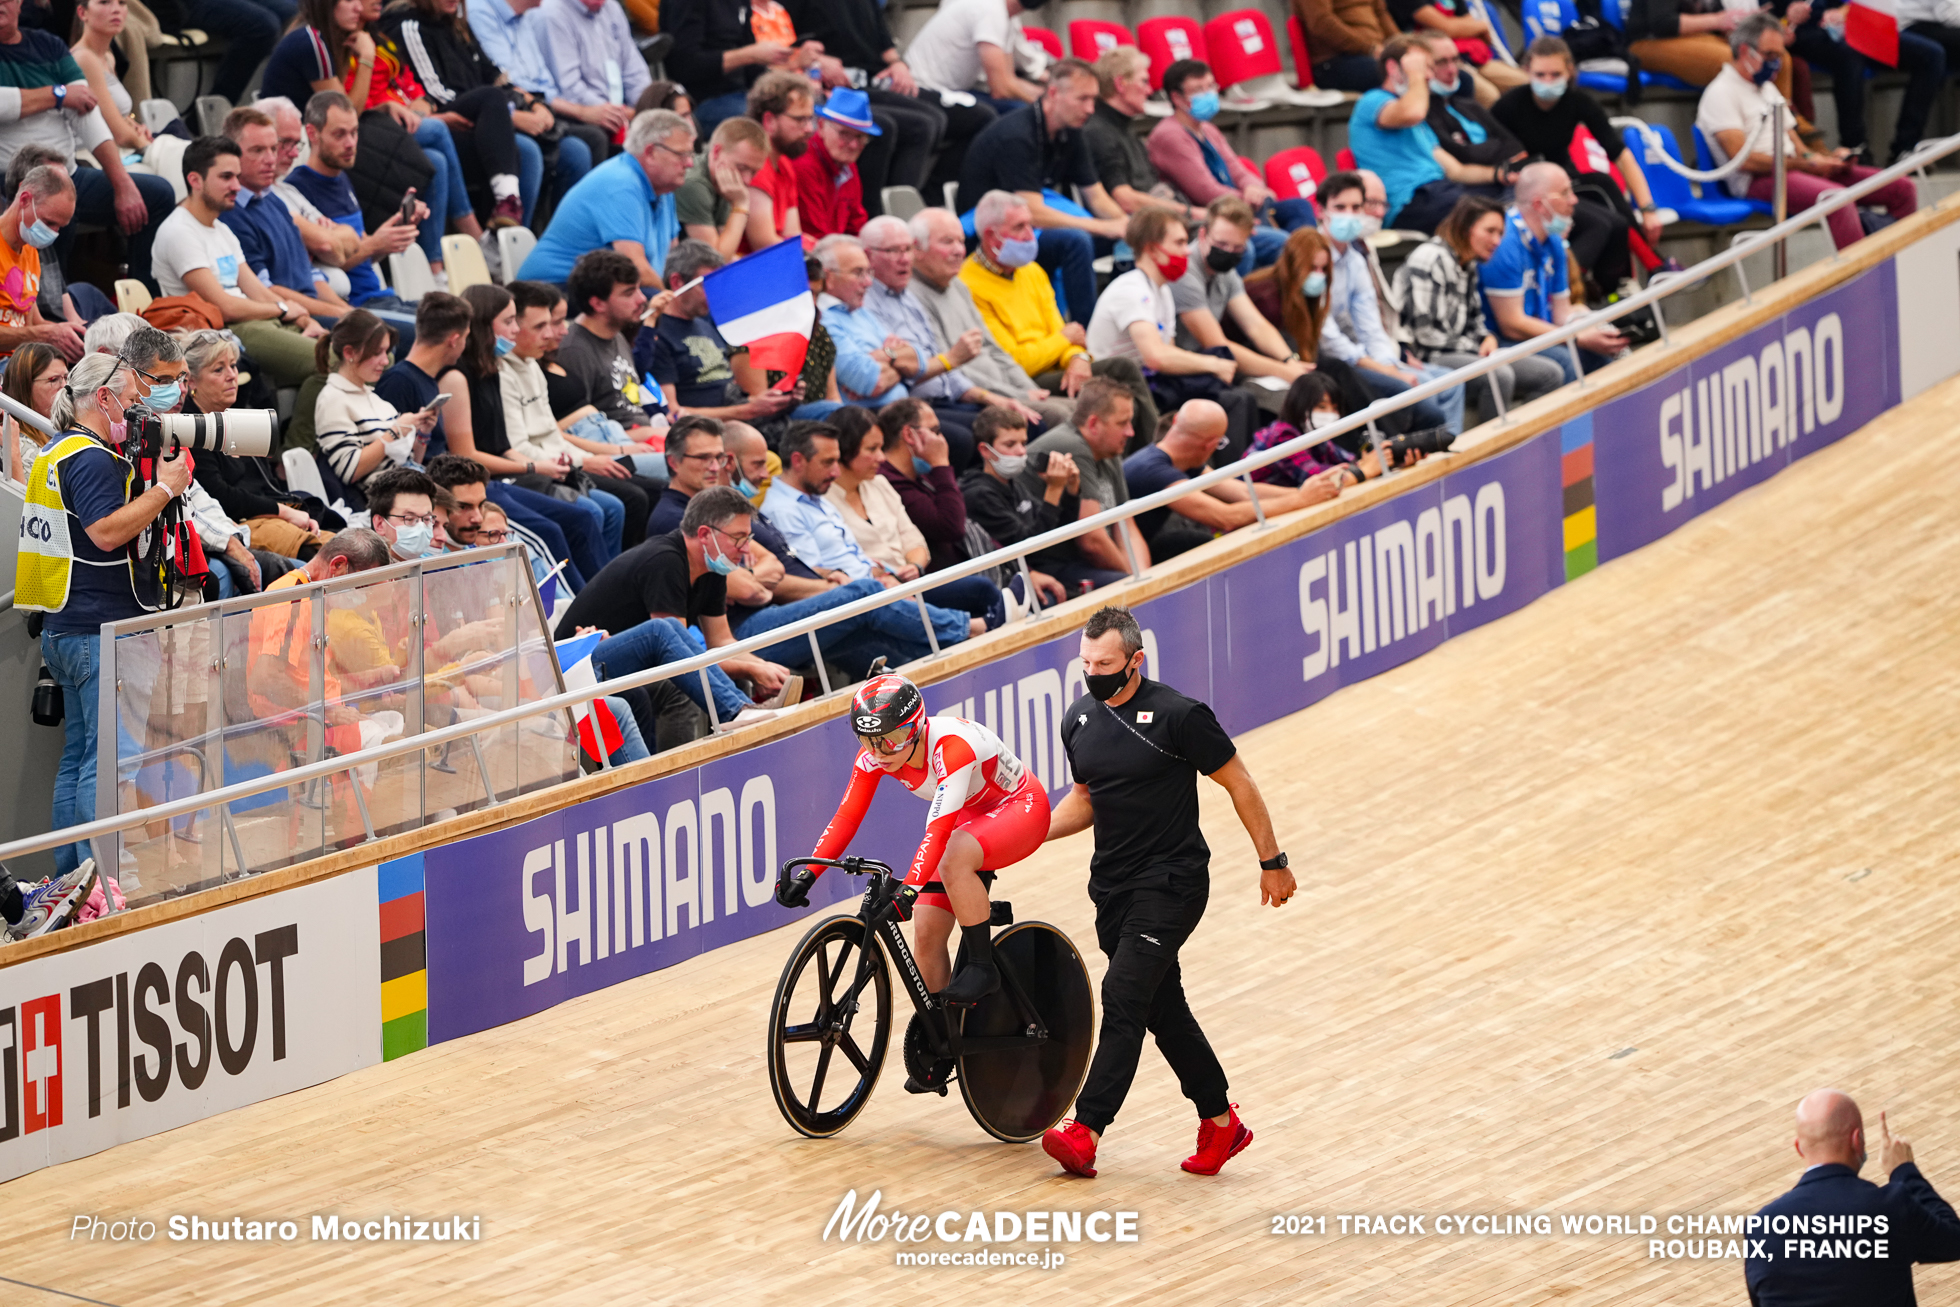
[(626, 203), (1891, 1227), (1017, 302), (871, 362), (42, 206), (1525, 280), (938, 250), (1734, 114)]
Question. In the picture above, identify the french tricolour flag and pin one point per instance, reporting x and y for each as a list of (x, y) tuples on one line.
[(575, 661), (1871, 27), (763, 301)]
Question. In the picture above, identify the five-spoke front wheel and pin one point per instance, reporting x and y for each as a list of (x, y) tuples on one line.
[(829, 1027)]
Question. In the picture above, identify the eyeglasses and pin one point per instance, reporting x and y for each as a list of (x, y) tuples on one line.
[(413, 519), (713, 460), (892, 741), (491, 537), (891, 249), (682, 154), (739, 541)]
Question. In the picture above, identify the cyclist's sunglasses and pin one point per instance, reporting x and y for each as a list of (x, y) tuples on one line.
[(891, 742)]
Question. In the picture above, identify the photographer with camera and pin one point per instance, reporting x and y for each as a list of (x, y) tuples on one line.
[(82, 531)]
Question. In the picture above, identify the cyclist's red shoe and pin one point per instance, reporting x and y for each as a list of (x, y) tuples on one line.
[(1217, 1144), (1074, 1147)]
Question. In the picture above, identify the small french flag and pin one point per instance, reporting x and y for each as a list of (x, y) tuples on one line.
[(764, 301), (1871, 27), (575, 661)]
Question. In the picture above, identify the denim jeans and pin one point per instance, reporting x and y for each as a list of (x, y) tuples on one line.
[(709, 113), (613, 518), (660, 640), (74, 660), (448, 196), (1281, 218), (574, 161), (1429, 413), (815, 410), (894, 630), (576, 529), (632, 745), (1069, 258)]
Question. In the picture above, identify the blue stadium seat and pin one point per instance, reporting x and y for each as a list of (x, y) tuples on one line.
[(1705, 161), (1552, 17), (1672, 191)]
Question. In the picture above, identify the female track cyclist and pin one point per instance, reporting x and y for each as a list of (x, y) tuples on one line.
[(988, 812)]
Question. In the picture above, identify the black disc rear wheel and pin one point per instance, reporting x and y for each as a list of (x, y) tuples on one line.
[(1017, 1086), (828, 1032)]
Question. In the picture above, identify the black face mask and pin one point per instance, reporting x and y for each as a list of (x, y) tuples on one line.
[(1104, 686), (1222, 260)]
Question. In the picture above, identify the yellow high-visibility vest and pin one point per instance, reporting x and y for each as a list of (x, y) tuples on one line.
[(47, 559)]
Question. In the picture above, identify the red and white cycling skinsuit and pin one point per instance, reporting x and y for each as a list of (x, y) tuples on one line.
[(974, 784)]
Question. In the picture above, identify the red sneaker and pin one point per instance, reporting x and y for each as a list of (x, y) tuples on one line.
[(1218, 1144), (1073, 1147)]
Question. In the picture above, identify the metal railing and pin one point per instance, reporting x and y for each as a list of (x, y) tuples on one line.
[(1562, 336)]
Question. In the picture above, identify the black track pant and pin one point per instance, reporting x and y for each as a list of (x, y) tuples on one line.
[(1141, 932)]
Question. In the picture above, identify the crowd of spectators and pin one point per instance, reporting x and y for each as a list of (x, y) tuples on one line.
[(975, 375)]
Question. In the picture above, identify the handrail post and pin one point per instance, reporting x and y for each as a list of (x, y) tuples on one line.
[(1129, 547), (925, 618), (1027, 583), (1779, 255), (816, 654), (708, 694), (1258, 508)]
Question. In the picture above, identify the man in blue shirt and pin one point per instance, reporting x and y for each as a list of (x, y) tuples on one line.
[(334, 134), (264, 225), (812, 527), (1525, 287), (1352, 332), (1390, 134), (867, 355), (626, 203)]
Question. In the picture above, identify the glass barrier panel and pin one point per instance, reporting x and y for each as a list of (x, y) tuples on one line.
[(468, 649), (165, 719), (548, 754), (275, 720)]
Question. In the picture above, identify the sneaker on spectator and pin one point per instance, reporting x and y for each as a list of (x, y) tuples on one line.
[(507, 212), (52, 904), (749, 717), (441, 276), (1235, 97)]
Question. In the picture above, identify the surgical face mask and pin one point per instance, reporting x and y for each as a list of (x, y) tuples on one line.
[(1223, 260), (505, 346), (1370, 225), (1549, 92), (1558, 224), (1322, 417), (1767, 73), (1345, 227), (920, 466), (413, 541), (1204, 106), (162, 398), (1444, 89), (1315, 285), (118, 429), (1010, 465), (1017, 253), (747, 488), (38, 233), (1107, 685), (718, 562)]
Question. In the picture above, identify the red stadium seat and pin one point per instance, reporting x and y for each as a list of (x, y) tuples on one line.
[(1344, 160), (1294, 174), (1088, 38), (1046, 39), (1167, 40), (1242, 47), (1296, 36)]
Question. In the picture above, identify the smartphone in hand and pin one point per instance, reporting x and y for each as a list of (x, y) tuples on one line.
[(408, 206)]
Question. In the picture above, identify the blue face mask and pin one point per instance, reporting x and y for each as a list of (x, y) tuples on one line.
[(1315, 285), (719, 563), (1445, 89), (920, 466), (414, 541), (1344, 227), (505, 346), (1558, 224), (1017, 253), (163, 398), (747, 488), (1549, 92), (38, 233), (1767, 73), (1204, 106)]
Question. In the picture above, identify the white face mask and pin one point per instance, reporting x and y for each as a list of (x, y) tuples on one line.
[(1370, 225), (1320, 417), (1010, 465)]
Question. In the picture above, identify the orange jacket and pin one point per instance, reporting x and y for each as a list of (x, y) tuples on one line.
[(1337, 27)]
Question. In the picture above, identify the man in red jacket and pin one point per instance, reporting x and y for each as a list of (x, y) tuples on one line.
[(830, 195)]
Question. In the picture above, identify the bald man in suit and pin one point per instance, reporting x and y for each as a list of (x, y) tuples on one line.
[(1868, 1259)]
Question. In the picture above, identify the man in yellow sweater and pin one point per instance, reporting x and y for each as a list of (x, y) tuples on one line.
[(1017, 302)]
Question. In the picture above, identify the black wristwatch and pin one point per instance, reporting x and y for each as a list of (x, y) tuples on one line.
[(1274, 863)]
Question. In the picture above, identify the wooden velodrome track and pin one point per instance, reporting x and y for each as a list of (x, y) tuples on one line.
[(1591, 897)]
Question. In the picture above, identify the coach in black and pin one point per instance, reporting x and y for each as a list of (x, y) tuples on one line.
[(1137, 748), (1837, 1239)]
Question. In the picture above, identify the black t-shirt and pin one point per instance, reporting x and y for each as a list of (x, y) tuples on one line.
[(1547, 133), (566, 393), (647, 580), (689, 355), (1015, 153), (1146, 472), (1141, 762)]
